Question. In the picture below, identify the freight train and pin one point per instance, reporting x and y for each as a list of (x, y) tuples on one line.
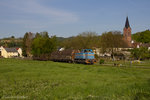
[(85, 56)]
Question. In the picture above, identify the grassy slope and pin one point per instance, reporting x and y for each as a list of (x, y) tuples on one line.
[(52, 80)]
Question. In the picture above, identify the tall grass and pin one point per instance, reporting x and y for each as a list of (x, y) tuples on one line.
[(44, 80)]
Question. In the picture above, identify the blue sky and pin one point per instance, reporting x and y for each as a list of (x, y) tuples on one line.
[(71, 17)]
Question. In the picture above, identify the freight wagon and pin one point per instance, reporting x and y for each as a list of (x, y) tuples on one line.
[(84, 56)]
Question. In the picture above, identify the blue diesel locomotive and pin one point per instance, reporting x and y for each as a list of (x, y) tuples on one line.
[(85, 56)]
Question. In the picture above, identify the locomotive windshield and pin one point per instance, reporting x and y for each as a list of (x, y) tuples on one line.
[(87, 50)]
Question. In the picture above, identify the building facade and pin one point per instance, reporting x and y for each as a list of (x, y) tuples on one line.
[(10, 52)]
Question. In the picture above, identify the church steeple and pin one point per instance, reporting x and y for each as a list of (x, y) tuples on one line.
[(127, 23), (127, 32)]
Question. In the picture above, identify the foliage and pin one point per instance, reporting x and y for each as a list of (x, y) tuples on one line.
[(101, 61), (143, 37), (47, 80), (12, 37), (44, 34), (27, 42), (11, 42), (140, 53), (82, 41), (14, 44), (43, 45), (112, 40), (96, 56), (39, 45)]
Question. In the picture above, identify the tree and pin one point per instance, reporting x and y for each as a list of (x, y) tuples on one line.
[(82, 41), (42, 46), (44, 34), (140, 53), (37, 35), (111, 41), (27, 42), (143, 37), (12, 43), (12, 37)]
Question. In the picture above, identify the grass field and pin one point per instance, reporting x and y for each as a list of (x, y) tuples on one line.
[(34, 80), (137, 64)]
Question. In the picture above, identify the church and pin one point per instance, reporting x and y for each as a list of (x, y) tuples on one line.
[(127, 32), (128, 37)]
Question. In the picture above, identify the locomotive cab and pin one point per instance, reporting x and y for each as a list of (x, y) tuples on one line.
[(87, 50), (85, 56), (88, 53)]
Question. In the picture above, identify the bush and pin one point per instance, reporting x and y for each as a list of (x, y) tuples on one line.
[(96, 56), (101, 61)]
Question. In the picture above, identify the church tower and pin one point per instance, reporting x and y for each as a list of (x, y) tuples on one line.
[(127, 32)]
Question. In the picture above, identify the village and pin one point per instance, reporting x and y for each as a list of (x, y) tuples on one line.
[(123, 53)]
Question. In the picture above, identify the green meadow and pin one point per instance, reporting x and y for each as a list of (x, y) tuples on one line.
[(47, 80)]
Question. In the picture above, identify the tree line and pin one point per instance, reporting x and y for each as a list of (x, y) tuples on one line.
[(11, 42), (143, 37), (40, 45)]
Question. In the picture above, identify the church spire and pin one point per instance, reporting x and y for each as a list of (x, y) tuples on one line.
[(127, 32), (127, 23)]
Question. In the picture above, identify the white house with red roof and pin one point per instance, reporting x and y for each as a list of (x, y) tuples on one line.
[(10, 52)]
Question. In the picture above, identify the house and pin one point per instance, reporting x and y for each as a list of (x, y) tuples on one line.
[(61, 49), (19, 52), (10, 52), (138, 45), (146, 45), (119, 53), (99, 53)]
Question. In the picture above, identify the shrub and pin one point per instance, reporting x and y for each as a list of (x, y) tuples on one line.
[(101, 61), (96, 56)]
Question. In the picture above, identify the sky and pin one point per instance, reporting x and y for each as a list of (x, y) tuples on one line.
[(65, 18)]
